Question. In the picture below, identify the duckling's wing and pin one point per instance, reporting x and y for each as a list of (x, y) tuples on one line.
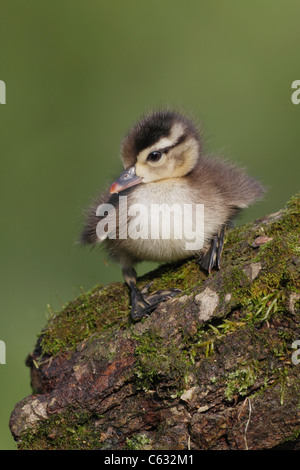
[(233, 185)]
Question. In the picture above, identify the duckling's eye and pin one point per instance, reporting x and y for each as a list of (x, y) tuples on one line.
[(154, 156)]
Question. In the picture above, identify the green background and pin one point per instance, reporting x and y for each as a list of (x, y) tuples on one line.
[(78, 74)]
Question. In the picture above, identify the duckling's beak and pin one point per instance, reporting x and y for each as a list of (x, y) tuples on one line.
[(126, 179)]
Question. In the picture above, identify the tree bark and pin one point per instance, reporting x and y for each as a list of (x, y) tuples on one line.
[(213, 368)]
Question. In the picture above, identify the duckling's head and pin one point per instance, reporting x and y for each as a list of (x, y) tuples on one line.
[(162, 145)]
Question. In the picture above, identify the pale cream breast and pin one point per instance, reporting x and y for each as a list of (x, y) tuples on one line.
[(166, 221)]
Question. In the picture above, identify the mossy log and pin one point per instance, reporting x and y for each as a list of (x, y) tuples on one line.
[(213, 368)]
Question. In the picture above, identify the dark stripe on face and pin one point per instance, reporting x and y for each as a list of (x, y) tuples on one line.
[(179, 141)]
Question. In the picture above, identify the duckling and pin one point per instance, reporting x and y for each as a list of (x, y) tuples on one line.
[(164, 164)]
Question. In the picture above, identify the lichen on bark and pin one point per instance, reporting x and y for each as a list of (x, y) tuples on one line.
[(209, 369)]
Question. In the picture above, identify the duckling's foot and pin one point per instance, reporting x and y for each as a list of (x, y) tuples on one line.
[(144, 305), (212, 258)]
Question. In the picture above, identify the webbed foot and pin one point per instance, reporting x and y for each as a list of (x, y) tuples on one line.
[(143, 305)]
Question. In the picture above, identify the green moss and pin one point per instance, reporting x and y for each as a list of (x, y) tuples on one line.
[(74, 430), (157, 360), (88, 314), (238, 238), (85, 316), (282, 249), (138, 442), (260, 308), (183, 275), (235, 282), (266, 295), (239, 381), (209, 334)]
